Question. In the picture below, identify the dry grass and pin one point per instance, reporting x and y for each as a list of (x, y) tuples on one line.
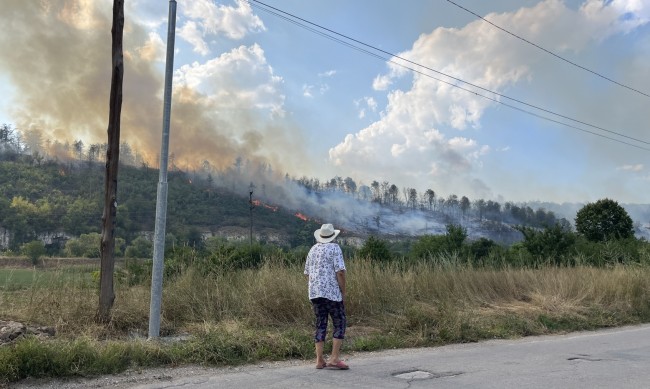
[(386, 298), (264, 313)]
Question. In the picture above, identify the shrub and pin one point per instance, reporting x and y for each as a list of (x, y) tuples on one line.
[(428, 246), (455, 237), (87, 245), (33, 250), (609, 252), (376, 249), (480, 248), (135, 271), (141, 247), (552, 243)]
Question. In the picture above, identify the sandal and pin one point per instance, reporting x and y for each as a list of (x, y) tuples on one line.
[(321, 365), (340, 365)]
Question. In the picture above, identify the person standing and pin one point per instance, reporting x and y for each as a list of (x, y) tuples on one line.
[(325, 270)]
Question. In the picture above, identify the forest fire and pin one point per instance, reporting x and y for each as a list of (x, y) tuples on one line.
[(257, 203), (271, 207), (301, 216)]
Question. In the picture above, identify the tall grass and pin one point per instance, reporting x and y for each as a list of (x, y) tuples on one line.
[(263, 313)]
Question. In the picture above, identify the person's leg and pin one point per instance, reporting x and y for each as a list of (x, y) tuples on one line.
[(336, 351), (339, 321), (320, 360), (321, 315)]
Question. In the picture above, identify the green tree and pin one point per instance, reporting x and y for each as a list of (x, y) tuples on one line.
[(552, 243), (480, 248), (83, 216), (430, 245), (376, 249), (87, 245), (455, 237), (33, 250), (141, 247), (604, 220), (427, 246)]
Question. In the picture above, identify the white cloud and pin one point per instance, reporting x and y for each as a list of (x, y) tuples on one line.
[(329, 73), (207, 19), (381, 82), (236, 80), (307, 90), (324, 88), (372, 103), (632, 168), (415, 136), (191, 33)]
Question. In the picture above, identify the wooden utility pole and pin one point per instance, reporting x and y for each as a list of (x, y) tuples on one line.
[(106, 292)]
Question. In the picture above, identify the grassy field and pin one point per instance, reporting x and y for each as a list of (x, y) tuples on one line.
[(254, 314), (25, 278)]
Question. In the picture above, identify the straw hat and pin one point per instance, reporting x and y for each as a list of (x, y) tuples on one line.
[(326, 233)]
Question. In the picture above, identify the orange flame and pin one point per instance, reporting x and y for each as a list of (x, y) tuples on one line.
[(257, 203), (272, 208), (301, 216)]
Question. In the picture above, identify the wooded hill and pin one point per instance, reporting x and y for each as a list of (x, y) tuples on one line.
[(43, 197), (56, 199)]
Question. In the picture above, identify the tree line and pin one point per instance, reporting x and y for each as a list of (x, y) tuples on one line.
[(457, 209)]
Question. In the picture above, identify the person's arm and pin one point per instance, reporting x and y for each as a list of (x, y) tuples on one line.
[(340, 277)]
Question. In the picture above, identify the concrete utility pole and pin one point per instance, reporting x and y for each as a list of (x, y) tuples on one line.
[(161, 201), (250, 207)]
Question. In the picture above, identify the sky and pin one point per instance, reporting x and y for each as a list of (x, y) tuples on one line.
[(251, 84)]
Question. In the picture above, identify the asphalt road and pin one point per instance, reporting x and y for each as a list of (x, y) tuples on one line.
[(613, 358)]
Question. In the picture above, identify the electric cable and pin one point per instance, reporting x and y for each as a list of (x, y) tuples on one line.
[(548, 51), (300, 22)]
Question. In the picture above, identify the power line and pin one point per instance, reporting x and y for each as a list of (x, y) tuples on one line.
[(548, 51), (300, 22)]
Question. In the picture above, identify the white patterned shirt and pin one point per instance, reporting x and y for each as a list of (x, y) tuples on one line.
[(323, 261)]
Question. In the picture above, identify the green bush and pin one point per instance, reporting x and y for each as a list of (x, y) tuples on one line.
[(480, 249), (135, 271), (375, 249), (87, 245), (429, 246), (455, 237), (550, 244), (297, 255), (33, 250), (244, 257), (178, 259), (141, 247)]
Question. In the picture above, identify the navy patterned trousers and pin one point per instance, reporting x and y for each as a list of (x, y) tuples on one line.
[(323, 309)]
